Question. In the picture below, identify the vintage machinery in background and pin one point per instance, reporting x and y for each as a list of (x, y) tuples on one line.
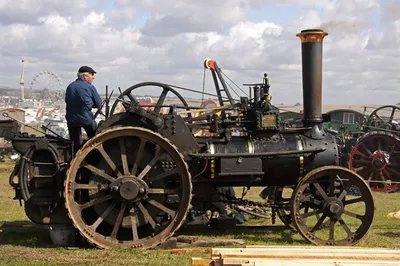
[(134, 183), (347, 126), (8, 128), (375, 155), (369, 144)]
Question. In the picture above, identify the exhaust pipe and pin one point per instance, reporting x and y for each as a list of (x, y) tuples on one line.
[(311, 50)]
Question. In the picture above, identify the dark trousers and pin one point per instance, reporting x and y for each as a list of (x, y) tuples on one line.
[(268, 193), (75, 134)]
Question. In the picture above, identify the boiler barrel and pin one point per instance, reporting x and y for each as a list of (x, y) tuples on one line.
[(270, 170)]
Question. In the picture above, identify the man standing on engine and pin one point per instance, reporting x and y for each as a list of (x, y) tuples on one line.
[(81, 96)]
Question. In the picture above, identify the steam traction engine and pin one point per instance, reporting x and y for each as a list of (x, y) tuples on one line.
[(134, 183)]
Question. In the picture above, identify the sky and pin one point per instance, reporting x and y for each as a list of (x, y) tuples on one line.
[(132, 41)]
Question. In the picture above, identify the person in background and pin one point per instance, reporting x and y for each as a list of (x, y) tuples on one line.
[(81, 96)]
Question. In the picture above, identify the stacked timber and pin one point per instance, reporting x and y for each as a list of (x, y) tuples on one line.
[(300, 256)]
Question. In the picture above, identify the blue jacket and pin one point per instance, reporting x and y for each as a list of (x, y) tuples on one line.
[(81, 97)]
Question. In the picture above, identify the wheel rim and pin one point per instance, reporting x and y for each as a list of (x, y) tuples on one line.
[(126, 97), (128, 187), (338, 218), (376, 158)]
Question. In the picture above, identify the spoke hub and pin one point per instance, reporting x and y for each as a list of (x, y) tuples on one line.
[(380, 160), (129, 188), (333, 207)]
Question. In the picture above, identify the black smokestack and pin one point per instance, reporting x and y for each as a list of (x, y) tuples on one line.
[(311, 52)]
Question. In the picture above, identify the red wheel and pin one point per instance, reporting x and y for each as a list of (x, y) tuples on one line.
[(376, 157)]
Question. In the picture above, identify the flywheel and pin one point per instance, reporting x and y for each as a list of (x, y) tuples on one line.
[(128, 187)]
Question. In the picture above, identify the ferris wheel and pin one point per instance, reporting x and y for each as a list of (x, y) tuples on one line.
[(46, 81)]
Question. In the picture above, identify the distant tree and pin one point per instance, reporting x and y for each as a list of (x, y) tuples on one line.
[(297, 104)]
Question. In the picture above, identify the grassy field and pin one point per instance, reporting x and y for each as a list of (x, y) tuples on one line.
[(23, 244)]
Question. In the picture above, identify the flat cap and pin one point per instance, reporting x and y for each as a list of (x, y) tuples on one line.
[(84, 69)]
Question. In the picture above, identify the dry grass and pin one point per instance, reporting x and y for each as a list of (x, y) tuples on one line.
[(32, 246)]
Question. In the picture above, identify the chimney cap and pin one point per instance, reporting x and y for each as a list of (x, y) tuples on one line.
[(311, 35)]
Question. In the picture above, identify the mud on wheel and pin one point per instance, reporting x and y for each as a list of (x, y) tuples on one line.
[(128, 187), (325, 212)]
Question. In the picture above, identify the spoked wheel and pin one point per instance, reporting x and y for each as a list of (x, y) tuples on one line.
[(327, 191), (128, 187), (385, 117), (124, 100), (283, 195), (376, 157)]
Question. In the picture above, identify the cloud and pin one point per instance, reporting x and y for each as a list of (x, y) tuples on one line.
[(390, 10), (27, 11), (153, 40)]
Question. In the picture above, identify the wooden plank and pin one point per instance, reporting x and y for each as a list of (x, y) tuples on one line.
[(299, 256), (187, 239), (305, 253), (346, 249), (313, 250), (311, 263), (290, 262), (217, 242), (205, 262), (188, 250), (202, 261), (364, 257)]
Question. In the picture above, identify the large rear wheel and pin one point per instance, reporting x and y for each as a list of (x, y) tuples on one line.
[(128, 187)]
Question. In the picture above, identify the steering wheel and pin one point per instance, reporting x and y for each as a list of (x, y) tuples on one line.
[(126, 97)]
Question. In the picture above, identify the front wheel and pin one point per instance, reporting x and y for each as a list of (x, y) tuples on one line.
[(338, 217)]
